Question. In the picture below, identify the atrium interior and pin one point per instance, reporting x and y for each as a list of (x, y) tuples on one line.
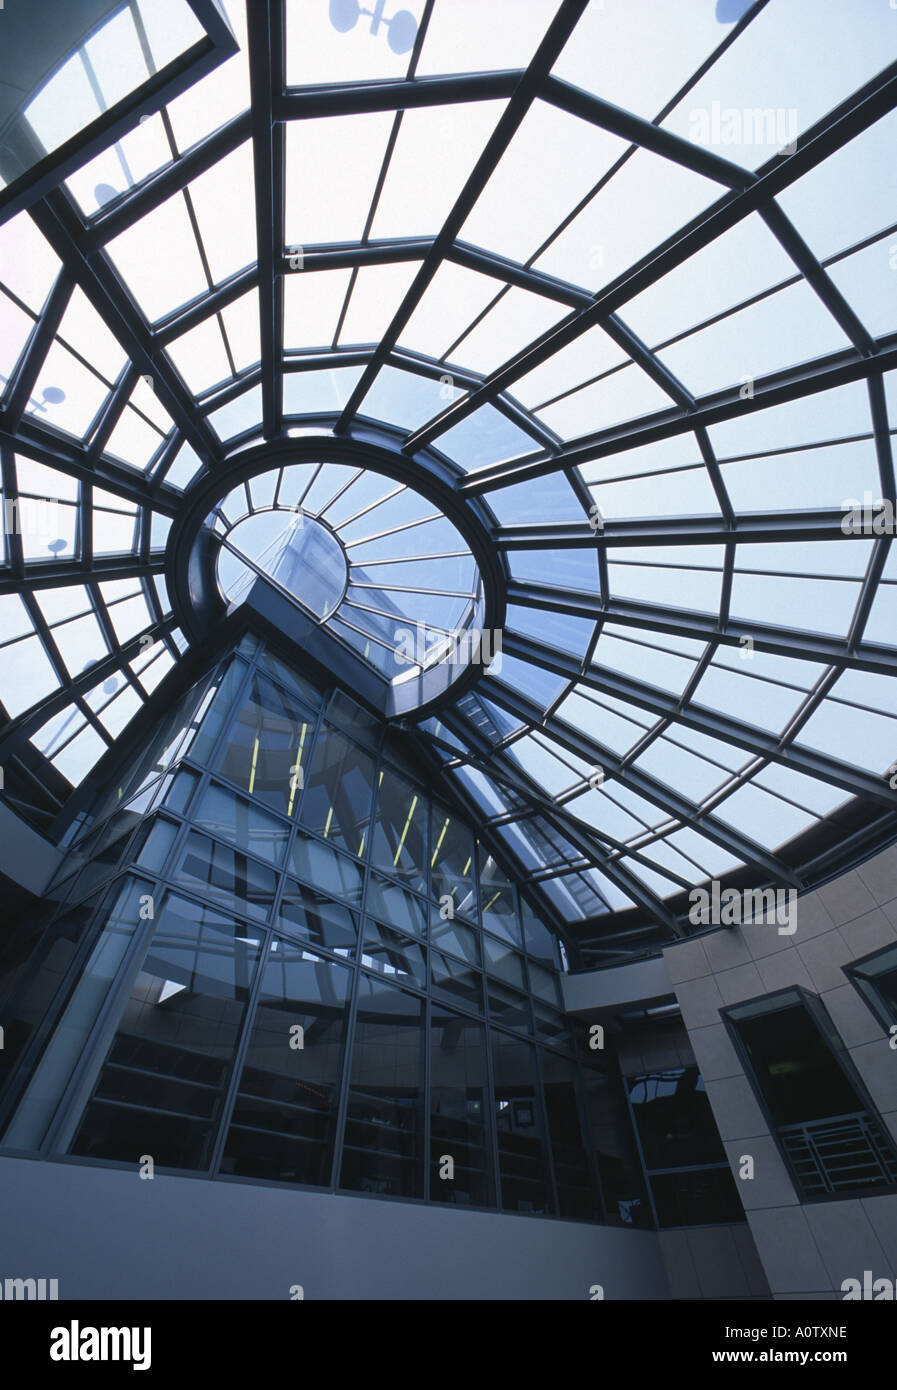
[(448, 648)]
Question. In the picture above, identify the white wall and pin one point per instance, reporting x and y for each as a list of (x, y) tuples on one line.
[(106, 1234)]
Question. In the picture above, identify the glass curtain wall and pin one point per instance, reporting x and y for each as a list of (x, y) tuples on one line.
[(309, 970)]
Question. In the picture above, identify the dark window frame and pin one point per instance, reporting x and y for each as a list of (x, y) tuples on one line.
[(840, 1054)]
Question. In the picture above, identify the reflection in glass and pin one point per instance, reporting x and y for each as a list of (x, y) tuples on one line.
[(455, 981), (283, 1124), (239, 820), (383, 1149), (451, 861), (303, 912), (337, 799), (498, 900), (395, 955), (458, 1111), (577, 1198), (163, 1083), (227, 876), (521, 1148), (399, 835), (269, 747)]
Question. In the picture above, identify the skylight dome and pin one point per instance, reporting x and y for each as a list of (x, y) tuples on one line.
[(392, 577), (594, 355)]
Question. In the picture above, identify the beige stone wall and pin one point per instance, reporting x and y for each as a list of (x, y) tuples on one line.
[(807, 1250)]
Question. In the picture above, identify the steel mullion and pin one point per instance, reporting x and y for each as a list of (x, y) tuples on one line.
[(524, 94), (54, 574), (71, 459), (355, 98), (24, 725), (27, 369), (818, 279), (265, 36), (702, 627), (849, 119), (661, 705), (747, 528), (156, 188), (55, 219)]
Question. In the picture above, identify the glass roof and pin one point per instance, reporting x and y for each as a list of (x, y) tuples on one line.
[(389, 574), (627, 271)]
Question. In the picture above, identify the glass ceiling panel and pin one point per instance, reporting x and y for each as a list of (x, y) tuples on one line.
[(671, 42), (485, 436), (122, 166), (218, 97), (842, 200), (337, 44), (792, 480), (29, 266), (530, 191), (331, 172), (589, 356), (790, 326), (160, 284), (647, 200), (666, 494), (743, 262), (450, 138), (691, 577), (467, 36), (451, 302), (223, 202), (312, 303), (624, 395), (768, 70), (516, 321), (643, 661), (376, 295)]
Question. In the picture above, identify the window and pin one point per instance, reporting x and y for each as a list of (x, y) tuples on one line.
[(162, 1086), (828, 1130), (283, 1123), (876, 979), (383, 1149), (683, 1156)]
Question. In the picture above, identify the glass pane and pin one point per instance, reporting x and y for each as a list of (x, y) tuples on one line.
[(163, 1083), (227, 876), (521, 1141), (498, 899), (283, 1123), (399, 835), (305, 913), (451, 862), (337, 800), (459, 1162), (674, 1120), (239, 820), (395, 955), (576, 1193), (383, 1149), (269, 746)]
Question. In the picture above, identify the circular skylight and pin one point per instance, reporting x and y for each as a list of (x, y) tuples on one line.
[(287, 548), (383, 567)]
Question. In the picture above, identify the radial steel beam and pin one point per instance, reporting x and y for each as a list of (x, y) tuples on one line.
[(665, 799), (704, 627), (525, 93), (662, 705)]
